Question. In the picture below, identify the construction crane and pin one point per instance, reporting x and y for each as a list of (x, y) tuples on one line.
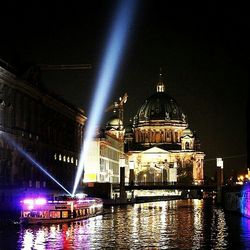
[(118, 107), (64, 66), (33, 73)]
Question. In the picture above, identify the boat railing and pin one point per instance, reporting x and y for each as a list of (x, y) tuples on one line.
[(57, 202)]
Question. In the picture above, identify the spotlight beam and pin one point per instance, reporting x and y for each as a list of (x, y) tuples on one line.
[(31, 159), (111, 60)]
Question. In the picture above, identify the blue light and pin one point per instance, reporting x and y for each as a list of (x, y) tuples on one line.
[(245, 200), (35, 163), (109, 66)]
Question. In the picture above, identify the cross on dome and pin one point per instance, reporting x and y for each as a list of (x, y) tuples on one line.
[(160, 85)]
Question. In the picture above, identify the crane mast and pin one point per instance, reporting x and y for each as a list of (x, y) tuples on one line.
[(64, 66), (119, 106)]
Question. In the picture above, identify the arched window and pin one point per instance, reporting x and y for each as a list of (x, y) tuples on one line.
[(187, 145), (176, 137)]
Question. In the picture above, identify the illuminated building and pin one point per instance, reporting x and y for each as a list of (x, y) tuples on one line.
[(44, 125), (102, 164), (160, 143)]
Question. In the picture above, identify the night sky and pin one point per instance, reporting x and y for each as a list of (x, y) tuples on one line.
[(203, 52)]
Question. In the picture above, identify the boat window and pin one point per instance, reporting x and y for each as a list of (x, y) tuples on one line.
[(54, 214), (65, 214), (76, 213), (45, 214), (26, 214)]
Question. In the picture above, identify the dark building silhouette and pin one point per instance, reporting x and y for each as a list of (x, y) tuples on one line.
[(43, 125)]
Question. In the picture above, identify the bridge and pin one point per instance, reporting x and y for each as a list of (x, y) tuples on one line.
[(165, 185)]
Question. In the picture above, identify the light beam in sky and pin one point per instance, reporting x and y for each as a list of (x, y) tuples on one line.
[(109, 66)]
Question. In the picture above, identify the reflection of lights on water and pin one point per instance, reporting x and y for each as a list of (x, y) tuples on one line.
[(136, 213), (163, 215), (39, 240), (27, 240), (219, 229), (156, 225), (245, 231), (52, 234), (198, 234)]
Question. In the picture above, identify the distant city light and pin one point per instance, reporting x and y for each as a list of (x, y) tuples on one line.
[(109, 66)]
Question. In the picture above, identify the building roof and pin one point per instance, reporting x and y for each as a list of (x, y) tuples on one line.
[(114, 123), (159, 106)]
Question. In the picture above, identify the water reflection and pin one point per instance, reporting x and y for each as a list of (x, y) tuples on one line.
[(186, 224), (245, 232)]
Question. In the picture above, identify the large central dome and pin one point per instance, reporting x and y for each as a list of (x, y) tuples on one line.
[(159, 107)]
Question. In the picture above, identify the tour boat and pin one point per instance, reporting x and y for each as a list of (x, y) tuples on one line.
[(64, 209)]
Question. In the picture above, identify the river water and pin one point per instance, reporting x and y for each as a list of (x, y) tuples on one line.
[(180, 224)]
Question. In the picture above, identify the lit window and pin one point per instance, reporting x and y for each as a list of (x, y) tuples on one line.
[(65, 214), (55, 156), (60, 157), (64, 158), (72, 160), (68, 159), (54, 214), (76, 162)]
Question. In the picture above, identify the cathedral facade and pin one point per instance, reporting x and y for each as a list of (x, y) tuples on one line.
[(160, 145)]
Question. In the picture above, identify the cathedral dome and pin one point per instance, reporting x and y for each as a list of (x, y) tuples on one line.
[(159, 106)]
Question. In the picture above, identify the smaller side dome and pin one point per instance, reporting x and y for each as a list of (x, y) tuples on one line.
[(114, 123), (187, 132)]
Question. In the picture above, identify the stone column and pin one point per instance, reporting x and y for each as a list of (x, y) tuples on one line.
[(123, 196), (131, 173), (219, 179)]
